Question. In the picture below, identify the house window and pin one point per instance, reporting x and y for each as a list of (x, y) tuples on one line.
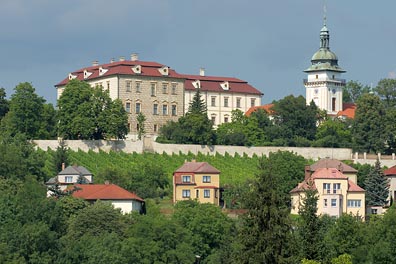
[(155, 109), (155, 128), (225, 101), (374, 211), (213, 118), (108, 85), (138, 87), (336, 187), (333, 202), (213, 101), (238, 102), (197, 193), (174, 112), (153, 89), (325, 202), (354, 203), (164, 109), (326, 187), (252, 102), (186, 193), (128, 107), (206, 179), (138, 108), (174, 88), (226, 119), (206, 193), (316, 76), (128, 86), (216, 193), (165, 88), (69, 179), (333, 104), (186, 178)]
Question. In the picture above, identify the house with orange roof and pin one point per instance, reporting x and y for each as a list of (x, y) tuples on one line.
[(391, 175), (197, 180), (336, 193), (120, 198)]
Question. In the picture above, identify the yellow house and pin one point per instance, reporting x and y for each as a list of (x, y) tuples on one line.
[(196, 180), (336, 193)]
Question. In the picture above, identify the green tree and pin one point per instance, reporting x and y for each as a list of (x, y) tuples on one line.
[(386, 90), (197, 105), (369, 124), (376, 186), (61, 156), (140, 119), (4, 104), (89, 113), (265, 234), (334, 133), (353, 90)]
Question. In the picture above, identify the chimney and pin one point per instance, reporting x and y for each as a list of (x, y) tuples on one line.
[(122, 58), (107, 182), (202, 71), (134, 57), (112, 60), (63, 165), (307, 172), (95, 63), (193, 160)]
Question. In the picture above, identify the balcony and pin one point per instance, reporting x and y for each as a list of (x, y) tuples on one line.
[(322, 80)]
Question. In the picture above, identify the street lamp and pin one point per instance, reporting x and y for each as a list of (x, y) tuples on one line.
[(197, 259)]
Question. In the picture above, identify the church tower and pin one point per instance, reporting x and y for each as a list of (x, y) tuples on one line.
[(323, 85)]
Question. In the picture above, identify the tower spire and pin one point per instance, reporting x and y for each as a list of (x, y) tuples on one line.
[(324, 32), (324, 13)]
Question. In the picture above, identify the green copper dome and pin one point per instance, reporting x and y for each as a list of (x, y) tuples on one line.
[(324, 54)]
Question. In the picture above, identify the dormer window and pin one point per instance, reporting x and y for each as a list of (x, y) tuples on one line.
[(137, 69), (186, 178), (164, 70), (102, 71), (71, 76), (87, 74), (225, 86), (197, 84)]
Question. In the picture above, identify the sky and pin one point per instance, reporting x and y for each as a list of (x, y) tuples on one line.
[(266, 43)]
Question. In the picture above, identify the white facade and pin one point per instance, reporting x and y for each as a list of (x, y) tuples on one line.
[(127, 206)]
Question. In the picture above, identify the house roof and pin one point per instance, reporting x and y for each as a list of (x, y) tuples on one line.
[(348, 110), (390, 171), (352, 187), (104, 192), (328, 173), (75, 170), (267, 108), (332, 163), (197, 167), (214, 84)]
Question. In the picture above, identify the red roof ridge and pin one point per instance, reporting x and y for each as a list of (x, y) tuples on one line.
[(353, 187)]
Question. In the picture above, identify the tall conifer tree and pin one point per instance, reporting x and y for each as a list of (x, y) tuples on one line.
[(376, 186)]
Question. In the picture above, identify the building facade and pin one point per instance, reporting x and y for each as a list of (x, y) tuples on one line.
[(324, 84), (197, 180)]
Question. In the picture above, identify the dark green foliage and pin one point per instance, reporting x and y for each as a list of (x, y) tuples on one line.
[(61, 156), (376, 186), (369, 124), (140, 119), (197, 105), (89, 113), (386, 90), (4, 104), (353, 90), (265, 234), (333, 133)]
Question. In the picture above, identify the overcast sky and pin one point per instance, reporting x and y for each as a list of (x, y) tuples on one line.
[(267, 43)]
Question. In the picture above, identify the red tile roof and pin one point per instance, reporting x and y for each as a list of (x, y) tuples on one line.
[(212, 84), (348, 110), (328, 173), (267, 108), (197, 167), (390, 171), (332, 163), (352, 187), (104, 192)]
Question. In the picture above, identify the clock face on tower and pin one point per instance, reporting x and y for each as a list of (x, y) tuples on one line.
[(334, 91)]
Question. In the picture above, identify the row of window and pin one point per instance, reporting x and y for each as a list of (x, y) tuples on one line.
[(153, 87), (138, 108), (206, 193), (101, 84), (226, 101), (350, 203), (155, 127), (213, 118), (187, 179), (336, 187)]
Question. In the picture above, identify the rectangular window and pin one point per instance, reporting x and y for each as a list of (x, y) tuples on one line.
[(164, 109), (325, 202), (333, 202), (252, 102), (225, 101), (155, 109), (333, 104), (138, 87), (336, 187), (128, 107), (108, 85), (216, 193), (213, 118), (138, 108), (69, 179), (186, 194), (155, 128), (174, 112), (226, 119), (128, 86), (197, 193), (213, 101), (153, 89), (174, 88), (206, 179), (206, 193), (354, 203), (326, 187), (186, 178), (238, 102), (164, 88)]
